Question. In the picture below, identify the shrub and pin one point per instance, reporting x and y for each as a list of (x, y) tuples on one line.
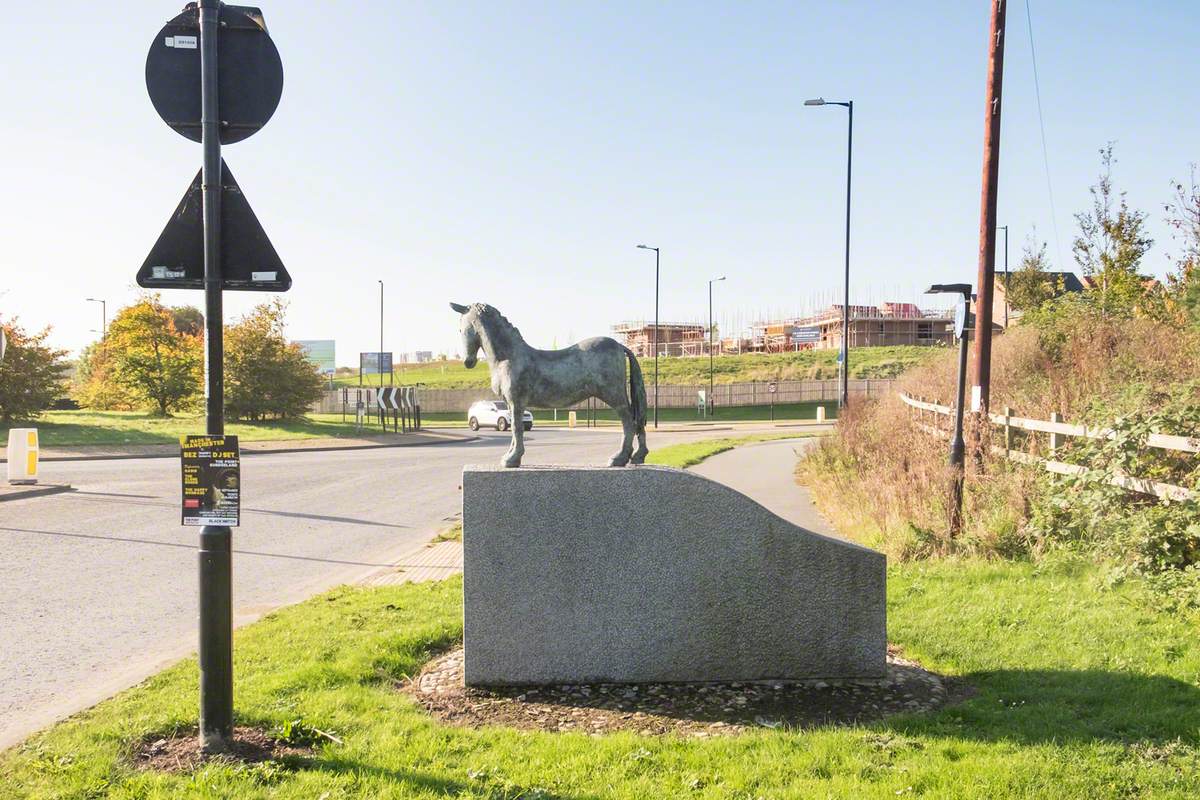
[(265, 375), (31, 374)]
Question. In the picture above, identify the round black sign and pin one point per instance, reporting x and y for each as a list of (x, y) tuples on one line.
[(249, 73)]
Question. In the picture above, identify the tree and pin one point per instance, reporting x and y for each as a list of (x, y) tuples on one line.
[(1032, 284), (265, 374), (31, 374), (1111, 243), (99, 383), (95, 384), (151, 359), (188, 320), (1183, 216)]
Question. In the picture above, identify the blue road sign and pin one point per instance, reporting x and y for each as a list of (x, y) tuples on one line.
[(375, 363)]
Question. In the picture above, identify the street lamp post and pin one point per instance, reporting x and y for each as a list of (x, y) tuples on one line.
[(103, 315), (379, 358), (957, 445), (1006, 287), (709, 402), (844, 395), (656, 255)]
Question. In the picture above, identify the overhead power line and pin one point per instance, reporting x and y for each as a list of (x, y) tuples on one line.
[(1037, 89)]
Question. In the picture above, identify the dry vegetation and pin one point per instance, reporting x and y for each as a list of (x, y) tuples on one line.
[(888, 479)]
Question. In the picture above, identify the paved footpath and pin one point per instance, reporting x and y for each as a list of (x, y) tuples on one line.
[(765, 471)]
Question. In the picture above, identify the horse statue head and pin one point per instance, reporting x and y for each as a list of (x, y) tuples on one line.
[(472, 341)]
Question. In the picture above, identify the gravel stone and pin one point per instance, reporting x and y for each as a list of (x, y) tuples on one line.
[(687, 709)]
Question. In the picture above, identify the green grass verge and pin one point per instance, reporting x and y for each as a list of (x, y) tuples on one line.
[(64, 428), (784, 412), (1082, 692), (688, 454), (865, 362), (116, 428), (450, 534)]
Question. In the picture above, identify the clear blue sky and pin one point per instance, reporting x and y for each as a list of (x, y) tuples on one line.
[(517, 152)]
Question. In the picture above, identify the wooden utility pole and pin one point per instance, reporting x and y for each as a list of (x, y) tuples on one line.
[(982, 377)]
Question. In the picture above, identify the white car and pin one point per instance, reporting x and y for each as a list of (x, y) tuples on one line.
[(494, 413)]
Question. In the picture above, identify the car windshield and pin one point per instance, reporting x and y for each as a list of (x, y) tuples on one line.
[(500, 406)]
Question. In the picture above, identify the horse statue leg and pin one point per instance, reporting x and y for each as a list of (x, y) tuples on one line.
[(629, 428), (639, 455), (517, 449)]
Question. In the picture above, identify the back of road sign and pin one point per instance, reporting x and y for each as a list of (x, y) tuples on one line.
[(248, 259), (249, 73)]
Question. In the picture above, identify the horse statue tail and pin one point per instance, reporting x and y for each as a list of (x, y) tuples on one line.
[(637, 392)]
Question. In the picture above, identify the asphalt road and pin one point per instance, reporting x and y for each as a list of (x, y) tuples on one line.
[(99, 585)]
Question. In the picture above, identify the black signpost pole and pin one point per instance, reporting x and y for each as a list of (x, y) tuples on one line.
[(962, 324), (216, 619), (193, 252)]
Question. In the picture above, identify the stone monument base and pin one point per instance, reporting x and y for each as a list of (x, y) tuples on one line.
[(652, 574)]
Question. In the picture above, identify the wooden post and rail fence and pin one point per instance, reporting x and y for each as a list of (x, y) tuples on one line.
[(1056, 430)]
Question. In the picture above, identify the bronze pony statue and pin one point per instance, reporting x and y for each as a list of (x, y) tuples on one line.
[(527, 377)]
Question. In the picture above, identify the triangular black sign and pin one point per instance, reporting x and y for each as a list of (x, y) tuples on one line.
[(248, 259)]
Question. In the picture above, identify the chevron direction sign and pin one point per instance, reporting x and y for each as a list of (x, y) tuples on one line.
[(389, 399)]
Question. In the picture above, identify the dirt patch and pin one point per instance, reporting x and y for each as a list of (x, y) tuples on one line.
[(698, 709), (181, 751)]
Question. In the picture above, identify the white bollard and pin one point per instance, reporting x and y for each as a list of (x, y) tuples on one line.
[(22, 455), (820, 413), (571, 419)]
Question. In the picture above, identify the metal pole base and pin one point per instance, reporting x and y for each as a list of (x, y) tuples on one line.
[(956, 502), (216, 633)]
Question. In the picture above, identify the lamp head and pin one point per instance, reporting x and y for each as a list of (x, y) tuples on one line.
[(963, 289), (816, 101)]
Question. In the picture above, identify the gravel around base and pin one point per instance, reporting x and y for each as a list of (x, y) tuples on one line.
[(696, 710)]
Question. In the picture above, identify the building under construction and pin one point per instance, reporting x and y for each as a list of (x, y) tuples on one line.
[(674, 338), (870, 326)]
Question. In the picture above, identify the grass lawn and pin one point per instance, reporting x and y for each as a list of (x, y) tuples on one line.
[(865, 362), (783, 413), (59, 428), (688, 454), (1082, 692), (115, 428)]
